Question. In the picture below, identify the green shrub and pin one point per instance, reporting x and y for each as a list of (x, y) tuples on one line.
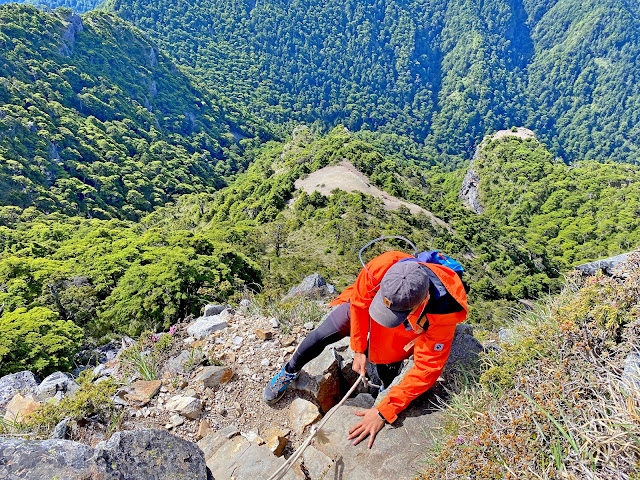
[(91, 400), (37, 340)]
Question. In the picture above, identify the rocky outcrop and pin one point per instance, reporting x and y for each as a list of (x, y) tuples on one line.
[(57, 385), (74, 25), (229, 456), (397, 451), (313, 286), (469, 190), (320, 379), (134, 454), (614, 266)]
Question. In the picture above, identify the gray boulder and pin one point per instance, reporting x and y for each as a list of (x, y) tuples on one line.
[(613, 266), (176, 365), (21, 382), (46, 460), (313, 286), (57, 384), (61, 430), (130, 455), (151, 454), (465, 350), (204, 326)]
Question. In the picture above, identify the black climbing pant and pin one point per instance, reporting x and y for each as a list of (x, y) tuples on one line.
[(335, 327)]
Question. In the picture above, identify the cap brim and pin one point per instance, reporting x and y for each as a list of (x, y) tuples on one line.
[(385, 316)]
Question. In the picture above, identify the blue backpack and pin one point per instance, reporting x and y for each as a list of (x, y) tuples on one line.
[(435, 256), (431, 256)]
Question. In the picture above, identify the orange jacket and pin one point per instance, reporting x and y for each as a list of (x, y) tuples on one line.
[(430, 349)]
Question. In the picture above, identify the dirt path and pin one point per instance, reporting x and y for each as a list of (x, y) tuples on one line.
[(348, 178)]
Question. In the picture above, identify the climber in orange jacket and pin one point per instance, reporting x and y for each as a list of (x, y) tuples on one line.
[(394, 309)]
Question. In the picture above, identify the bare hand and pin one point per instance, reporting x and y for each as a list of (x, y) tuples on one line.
[(370, 425), (359, 363)]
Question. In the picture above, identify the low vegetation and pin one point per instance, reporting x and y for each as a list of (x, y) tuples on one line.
[(554, 403)]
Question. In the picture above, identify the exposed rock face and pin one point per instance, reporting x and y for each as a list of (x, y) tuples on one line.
[(24, 382), (464, 350), (320, 378), (231, 456), (74, 26), (134, 454), (469, 190), (397, 451), (303, 413), (614, 266), (313, 286)]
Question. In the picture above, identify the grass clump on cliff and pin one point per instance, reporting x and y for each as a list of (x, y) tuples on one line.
[(555, 403)]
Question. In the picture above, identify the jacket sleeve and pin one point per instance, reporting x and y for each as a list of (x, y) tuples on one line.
[(364, 289), (430, 355)]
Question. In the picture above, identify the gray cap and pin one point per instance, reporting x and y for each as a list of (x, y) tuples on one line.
[(403, 287)]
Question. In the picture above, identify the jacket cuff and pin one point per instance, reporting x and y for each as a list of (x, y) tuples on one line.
[(386, 412)]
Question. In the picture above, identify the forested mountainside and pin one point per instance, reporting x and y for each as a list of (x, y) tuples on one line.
[(95, 121), (263, 234), (442, 72), (78, 6), (586, 210)]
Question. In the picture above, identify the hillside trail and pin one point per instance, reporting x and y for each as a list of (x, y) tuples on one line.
[(345, 176)]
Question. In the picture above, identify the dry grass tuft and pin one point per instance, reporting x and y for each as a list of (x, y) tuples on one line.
[(553, 405)]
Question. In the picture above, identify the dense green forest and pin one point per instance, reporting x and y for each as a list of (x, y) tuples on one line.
[(95, 121), (440, 72), (585, 210), (260, 234), (78, 6), (134, 189)]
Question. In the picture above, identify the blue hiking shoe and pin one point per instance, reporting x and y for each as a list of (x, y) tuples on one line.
[(278, 385)]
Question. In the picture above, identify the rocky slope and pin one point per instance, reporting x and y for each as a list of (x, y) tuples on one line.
[(209, 390)]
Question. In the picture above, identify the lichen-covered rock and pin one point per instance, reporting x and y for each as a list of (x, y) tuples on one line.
[(46, 460), (21, 382), (129, 455), (151, 454)]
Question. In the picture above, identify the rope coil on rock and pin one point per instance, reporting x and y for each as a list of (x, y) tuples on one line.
[(286, 466)]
